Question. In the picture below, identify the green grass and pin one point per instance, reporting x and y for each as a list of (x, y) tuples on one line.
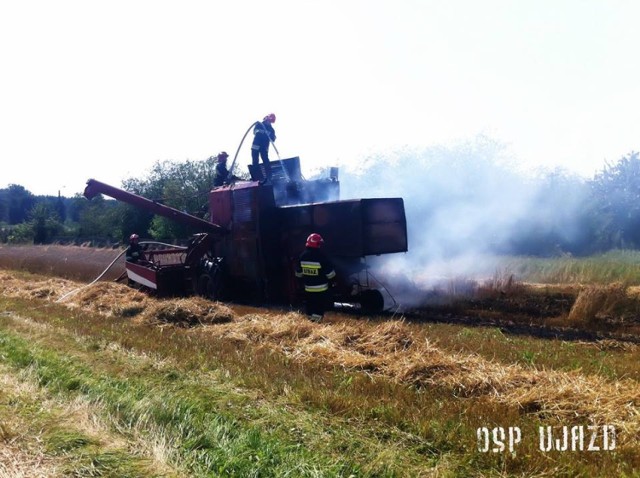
[(614, 266), (217, 430), (612, 361), (40, 426), (215, 407)]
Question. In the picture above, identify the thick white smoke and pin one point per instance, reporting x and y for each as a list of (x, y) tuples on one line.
[(463, 203)]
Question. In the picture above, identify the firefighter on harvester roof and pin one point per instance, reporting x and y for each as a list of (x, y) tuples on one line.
[(316, 272), (222, 176), (263, 135)]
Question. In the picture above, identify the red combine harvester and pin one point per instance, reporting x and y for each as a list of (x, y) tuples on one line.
[(249, 248)]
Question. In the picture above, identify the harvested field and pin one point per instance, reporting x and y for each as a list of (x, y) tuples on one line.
[(394, 349), (69, 262), (426, 385)]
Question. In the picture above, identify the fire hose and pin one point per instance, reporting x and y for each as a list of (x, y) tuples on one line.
[(75, 291), (253, 125)]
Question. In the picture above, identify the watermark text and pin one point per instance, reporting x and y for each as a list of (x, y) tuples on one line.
[(589, 438)]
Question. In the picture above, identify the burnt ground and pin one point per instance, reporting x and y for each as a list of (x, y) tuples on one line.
[(529, 313)]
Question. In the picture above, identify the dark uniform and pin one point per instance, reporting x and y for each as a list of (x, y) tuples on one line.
[(222, 173), (316, 270), (263, 135), (134, 252)]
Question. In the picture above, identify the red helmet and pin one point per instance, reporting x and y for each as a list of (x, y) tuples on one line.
[(134, 238), (270, 117), (222, 156), (314, 240)]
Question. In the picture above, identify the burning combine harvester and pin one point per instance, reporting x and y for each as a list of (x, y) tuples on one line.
[(249, 248)]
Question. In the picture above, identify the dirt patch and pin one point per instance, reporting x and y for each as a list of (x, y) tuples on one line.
[(569, 311)]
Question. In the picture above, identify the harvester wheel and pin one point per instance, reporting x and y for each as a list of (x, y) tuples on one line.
[(210, 286), (371, 301)]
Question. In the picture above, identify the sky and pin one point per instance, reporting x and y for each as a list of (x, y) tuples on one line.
[(105, 89)]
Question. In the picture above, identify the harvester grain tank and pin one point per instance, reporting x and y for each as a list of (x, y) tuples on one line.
[(248, 249)]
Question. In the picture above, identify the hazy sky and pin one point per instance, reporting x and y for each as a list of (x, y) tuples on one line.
[(104, 89)]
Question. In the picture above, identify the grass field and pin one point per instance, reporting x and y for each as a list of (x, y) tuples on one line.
[(614, 266), (109, 382)]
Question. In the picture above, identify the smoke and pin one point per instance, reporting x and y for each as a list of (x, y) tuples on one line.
[(464, 204)]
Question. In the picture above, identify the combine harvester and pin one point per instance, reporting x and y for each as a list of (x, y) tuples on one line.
[(248, 249)]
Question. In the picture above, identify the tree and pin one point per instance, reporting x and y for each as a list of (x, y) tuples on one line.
[(181, 185), (4, 210), (97, 219), (132, 220), (45, 223), (20, 234), (60, 208), (20, 201), (616, 203), (557, 220)]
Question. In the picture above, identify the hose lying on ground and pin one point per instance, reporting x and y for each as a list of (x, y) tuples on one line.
[(75, 291)]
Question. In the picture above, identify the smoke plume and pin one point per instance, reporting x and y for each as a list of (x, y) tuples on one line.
[(465, 204)]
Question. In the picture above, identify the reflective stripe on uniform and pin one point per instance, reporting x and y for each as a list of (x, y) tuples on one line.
[(316, 288), (331, 275)]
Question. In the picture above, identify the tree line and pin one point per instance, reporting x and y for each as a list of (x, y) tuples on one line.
[(584, 217), (26, 218), (576, 216)]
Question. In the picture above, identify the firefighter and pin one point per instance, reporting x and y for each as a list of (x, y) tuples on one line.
[(134, 252), (222, 173), (263, 135), (316, 272)]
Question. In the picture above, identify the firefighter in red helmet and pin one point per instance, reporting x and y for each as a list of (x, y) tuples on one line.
[(134, 252), (263, 135), (316, 271)]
